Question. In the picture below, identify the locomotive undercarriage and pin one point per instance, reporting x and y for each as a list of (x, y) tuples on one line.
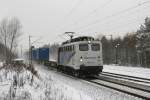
[(83, 71)]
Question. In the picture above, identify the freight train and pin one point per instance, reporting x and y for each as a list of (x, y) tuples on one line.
[(78, 56), (45, 55)]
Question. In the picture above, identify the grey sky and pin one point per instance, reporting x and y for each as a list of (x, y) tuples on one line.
[(49, 18)]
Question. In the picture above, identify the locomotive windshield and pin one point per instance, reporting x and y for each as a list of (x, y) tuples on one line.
[(95, 47), (83, 47)]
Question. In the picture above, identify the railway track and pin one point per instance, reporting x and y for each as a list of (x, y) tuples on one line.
[(128, 77), (138, 87)]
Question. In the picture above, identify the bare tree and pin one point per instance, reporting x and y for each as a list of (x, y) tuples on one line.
[(3, 33), (10, 30)]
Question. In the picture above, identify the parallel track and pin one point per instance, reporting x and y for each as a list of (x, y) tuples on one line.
[(130, 82), (139, 87), (128, 77), (114, 81), (124, 89)]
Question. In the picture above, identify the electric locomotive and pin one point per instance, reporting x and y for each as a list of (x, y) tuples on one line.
[(81, 56)]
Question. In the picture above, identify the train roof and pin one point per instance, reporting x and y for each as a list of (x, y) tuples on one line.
[(81, 38)]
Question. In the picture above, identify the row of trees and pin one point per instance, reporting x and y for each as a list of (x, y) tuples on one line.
[(120, 51), (133, 49), (10, 30)]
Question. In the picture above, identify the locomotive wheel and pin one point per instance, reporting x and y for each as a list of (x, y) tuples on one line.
[(58, 69), (76, 73)]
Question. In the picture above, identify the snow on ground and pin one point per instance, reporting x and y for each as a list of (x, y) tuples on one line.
[(127, 70), (43, 88), (85, 90), (52, 85)]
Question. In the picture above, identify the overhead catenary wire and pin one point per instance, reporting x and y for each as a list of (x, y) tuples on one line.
[(117, 20), (89, 14), (79, 2), (71, 11), (120, 12), (96, 10), (113, 15), (124, 26)]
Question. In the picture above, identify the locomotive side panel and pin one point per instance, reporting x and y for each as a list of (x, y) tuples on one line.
[(66, 54)]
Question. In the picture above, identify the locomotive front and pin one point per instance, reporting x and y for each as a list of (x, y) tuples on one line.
[(90, 57)]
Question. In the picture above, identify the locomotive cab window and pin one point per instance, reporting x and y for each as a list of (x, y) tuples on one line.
[(95, 47), (83, 47)]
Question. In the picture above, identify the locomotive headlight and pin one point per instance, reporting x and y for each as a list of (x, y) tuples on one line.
[(89, 42), (81, 59)]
